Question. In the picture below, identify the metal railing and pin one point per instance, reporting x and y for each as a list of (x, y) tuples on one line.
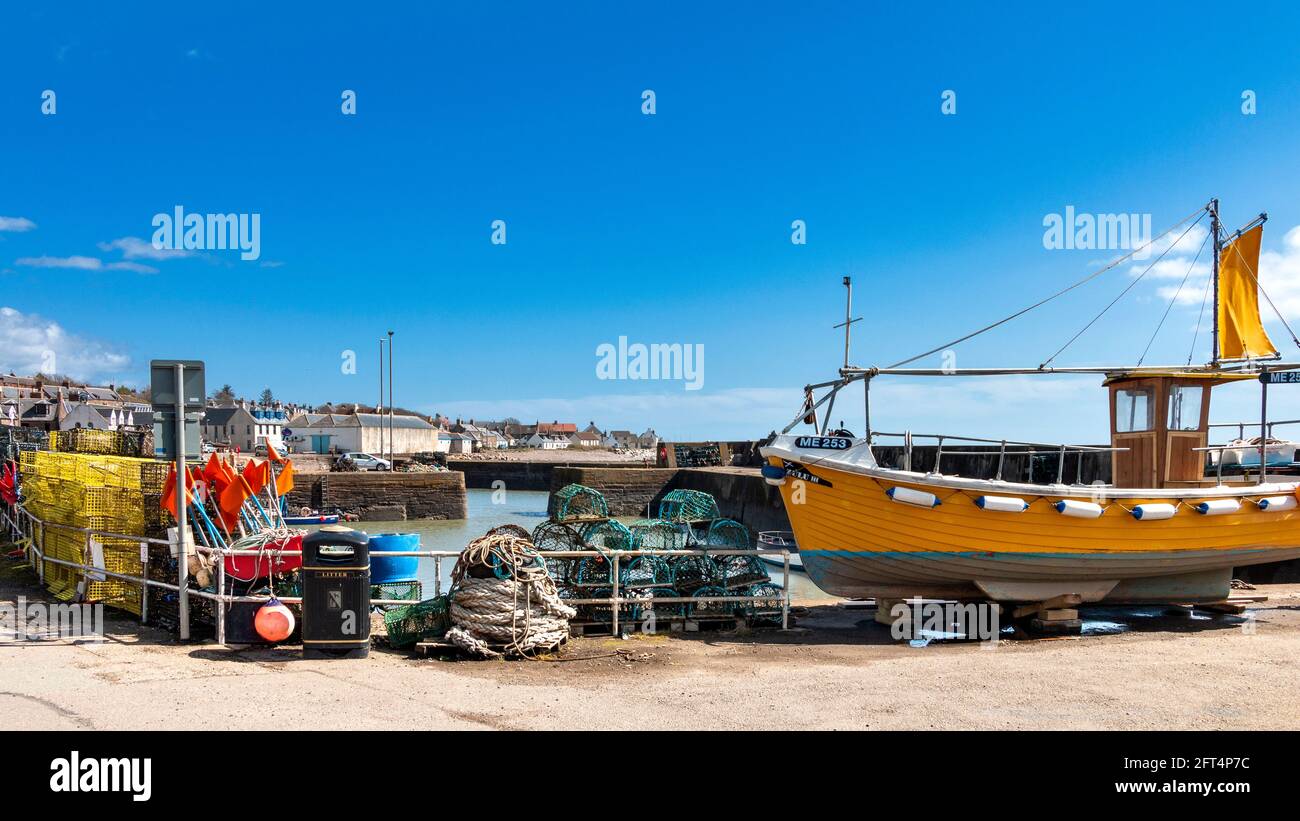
[(33, 533), (1241, 427), (1006, 447)]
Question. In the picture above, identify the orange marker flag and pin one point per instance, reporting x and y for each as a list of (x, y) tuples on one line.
[(284, 482), (234, 496), (257, 474), (212, 470), (168, 500), (275, 457)]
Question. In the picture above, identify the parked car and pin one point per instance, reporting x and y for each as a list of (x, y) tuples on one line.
[(364, 461), (207, 447)]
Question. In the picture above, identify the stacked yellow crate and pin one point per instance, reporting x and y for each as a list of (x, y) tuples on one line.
[(102, 493)]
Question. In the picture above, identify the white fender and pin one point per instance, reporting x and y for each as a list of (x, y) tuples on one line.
[(1007, 504), (1154, 512), (908, 496), (1079, 510)]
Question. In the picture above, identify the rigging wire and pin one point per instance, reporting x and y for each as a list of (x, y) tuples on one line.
[(1204, 298), (1197, 214), (1170, 306), (1138, 279)]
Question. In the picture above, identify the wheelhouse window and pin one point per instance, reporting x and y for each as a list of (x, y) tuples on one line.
[(1185, 407), (1133, 410)]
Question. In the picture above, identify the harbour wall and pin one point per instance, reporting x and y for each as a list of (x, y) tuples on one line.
[(381, 496), (741, 492), (480, 474)]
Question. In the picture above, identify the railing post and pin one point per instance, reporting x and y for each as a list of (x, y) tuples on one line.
[(1060, 466), (1002, 455), (437, 576), (614, 568), (785, 587), (144, 584), (41, 565), (221, 600), (938, 454), (907, 450)]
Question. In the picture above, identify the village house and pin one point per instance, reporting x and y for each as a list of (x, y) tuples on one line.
[(547, 441), (364, 433), (229, 427), (585, 439), (624, 439)]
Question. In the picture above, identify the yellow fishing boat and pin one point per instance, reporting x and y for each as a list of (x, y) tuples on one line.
[(1158, 529)]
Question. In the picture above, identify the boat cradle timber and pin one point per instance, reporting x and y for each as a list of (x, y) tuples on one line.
[(1160, 531)]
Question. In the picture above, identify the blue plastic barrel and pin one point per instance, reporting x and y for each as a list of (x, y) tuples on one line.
[(384, 569)]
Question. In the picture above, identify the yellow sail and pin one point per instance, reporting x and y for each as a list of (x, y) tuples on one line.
[(1241, 334)]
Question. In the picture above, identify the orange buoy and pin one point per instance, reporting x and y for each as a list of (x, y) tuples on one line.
[(273, 622)]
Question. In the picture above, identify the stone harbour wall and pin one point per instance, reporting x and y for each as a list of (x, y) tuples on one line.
[(382, 496)]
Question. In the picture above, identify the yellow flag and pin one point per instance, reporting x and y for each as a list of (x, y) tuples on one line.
[(1241, 334)]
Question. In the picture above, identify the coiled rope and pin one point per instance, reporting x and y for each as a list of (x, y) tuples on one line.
[(503, 602)]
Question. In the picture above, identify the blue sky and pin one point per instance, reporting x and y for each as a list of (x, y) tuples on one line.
[(671, 228)]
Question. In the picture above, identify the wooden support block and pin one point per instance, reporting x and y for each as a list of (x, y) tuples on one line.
[(1228, 607), (883, 609), (1063, 627), (1064, 614), (1055, 603)]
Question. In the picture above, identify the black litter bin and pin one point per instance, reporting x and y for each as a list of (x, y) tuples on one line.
[(336, 594)]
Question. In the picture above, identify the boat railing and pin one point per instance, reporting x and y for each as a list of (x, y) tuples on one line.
[(1006, 447), (1242, 426)]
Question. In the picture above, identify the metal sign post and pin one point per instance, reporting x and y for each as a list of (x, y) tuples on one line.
[(177, 390), (1266, 378), (182, 514)]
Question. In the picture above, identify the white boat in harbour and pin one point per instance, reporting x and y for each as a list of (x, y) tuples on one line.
[(779, 540)]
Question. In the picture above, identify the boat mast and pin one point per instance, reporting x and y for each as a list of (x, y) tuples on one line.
[(1214, 237), (848, 325)]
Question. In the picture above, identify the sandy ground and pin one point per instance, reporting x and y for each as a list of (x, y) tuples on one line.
[(838, 670)]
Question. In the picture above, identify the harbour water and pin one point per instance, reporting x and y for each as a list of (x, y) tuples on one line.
[(521, 507)]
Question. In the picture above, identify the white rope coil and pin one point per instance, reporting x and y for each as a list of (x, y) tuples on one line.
[(488, 613), (514, 616)]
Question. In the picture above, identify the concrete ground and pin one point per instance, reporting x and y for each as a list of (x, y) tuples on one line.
[(1160, 670)]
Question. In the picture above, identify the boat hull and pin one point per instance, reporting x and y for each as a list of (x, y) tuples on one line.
[(856, 540)]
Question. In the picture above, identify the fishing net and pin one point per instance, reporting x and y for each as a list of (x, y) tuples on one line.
[(610, 534), (555, 536), (727, 533), (646, 571), (658, 534), (648, 606), (767, 608), (688, 506), (740, 571), (690, 573), (592, 571), (707, 609), (577, 503)]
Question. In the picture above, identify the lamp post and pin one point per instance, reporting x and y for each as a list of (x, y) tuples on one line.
[(391, 446)]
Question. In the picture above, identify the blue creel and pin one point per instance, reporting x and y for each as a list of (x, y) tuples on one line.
[(773, 472), (384, 569)]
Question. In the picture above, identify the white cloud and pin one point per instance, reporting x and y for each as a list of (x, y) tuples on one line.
[(136, 248), (30, 343), (85, 264), (80, 263), (18, 224), (1279, 275)]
